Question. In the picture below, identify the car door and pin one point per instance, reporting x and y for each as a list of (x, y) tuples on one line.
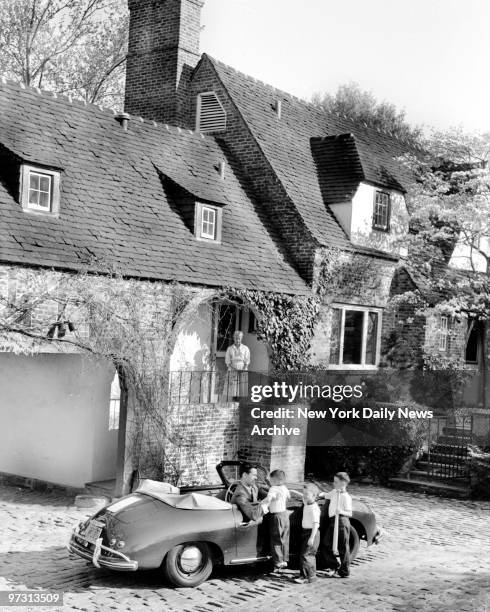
[(251, 539)]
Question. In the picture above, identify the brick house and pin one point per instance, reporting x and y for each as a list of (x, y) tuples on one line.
[(211, 179)]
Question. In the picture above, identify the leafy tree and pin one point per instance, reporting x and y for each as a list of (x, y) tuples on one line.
[(130, 323), (449, 246), (72, 47), (360, 105)]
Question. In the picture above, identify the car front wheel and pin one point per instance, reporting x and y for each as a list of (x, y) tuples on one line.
[(187, 565)]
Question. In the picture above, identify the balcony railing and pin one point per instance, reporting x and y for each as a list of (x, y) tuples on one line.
[(212, 386)]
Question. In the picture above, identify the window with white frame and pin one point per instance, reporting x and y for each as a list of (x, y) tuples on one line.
[(114, 403), (381, 213), (355, 337), (443, 333), (208, 222), (40, 190)]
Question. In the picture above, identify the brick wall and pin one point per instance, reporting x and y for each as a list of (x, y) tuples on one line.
[(273, 452), (269, 193), (163, 50), (199, 437)]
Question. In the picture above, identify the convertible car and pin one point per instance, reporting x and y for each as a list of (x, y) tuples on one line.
[(186, 534)]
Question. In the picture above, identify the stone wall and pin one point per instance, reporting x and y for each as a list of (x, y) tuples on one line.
[(353, 279)]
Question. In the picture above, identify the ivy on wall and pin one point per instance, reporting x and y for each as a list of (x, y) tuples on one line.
[(339, 273), (286, 323)]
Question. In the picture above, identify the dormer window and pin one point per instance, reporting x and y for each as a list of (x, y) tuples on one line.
[(39, 190), (381, 213), (208, 222), (210, 114)]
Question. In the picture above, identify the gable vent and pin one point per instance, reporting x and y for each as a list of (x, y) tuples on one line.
[(211, 116)]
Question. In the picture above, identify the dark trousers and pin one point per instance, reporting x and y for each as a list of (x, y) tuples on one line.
[(307, 560), (279, 533), (329, 558)]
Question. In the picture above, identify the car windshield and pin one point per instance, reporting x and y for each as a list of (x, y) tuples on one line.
[(232, 474)]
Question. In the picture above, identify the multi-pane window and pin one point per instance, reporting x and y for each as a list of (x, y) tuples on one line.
[(39, 191), (229, 320), (443, 333), (354, 339), (208, 223), (381, 214)]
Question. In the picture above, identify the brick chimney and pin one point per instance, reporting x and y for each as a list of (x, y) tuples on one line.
[(163, 51)]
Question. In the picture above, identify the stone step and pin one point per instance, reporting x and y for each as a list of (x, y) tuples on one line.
[(449, 449), (441, 468), (432, 487), (444, 457), (457, 479), (457, 431), (454, 440)]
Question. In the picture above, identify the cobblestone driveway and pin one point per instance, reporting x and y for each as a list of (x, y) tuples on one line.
[(434, 555)]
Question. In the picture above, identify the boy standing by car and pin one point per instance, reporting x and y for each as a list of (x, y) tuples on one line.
[(336, 540), (310, 538), (276, 500)]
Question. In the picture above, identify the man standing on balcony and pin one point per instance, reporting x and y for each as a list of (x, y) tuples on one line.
[(237, 359)]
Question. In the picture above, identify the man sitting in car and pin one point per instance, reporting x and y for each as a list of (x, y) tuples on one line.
[(247, 495)]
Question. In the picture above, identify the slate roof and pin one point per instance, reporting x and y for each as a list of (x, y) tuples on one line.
[(287, 144), (342, 163), (114, 206)]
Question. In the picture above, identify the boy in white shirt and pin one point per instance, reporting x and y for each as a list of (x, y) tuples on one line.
[(310, 538), (277, 499), (336, 540)]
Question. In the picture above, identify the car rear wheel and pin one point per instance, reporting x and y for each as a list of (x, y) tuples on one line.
[(187, 565), (354, 543)]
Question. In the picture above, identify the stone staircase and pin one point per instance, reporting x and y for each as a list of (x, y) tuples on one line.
[(442, 469)]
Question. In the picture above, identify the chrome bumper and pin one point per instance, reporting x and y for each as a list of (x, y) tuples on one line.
[(121, 563)]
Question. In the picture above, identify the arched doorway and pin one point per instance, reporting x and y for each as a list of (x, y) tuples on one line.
[(197, 364)]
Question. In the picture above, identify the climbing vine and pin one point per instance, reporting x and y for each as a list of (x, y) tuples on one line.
[(286, 323)]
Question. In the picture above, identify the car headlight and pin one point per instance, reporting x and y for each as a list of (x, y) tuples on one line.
[(121, 544)]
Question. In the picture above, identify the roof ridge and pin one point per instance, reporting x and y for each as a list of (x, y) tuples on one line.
[(73, 101), (282, 92), (360, 123)]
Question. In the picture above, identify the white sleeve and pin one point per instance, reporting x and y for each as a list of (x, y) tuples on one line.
[(228, 356), (316, 515), (347, 505)]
